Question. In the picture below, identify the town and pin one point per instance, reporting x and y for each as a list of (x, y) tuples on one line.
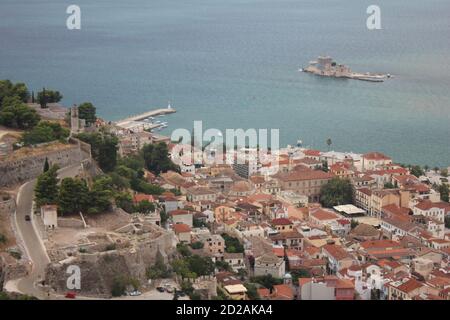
[(109, 199)]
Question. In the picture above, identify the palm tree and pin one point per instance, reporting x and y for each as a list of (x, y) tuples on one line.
[(329, 142)]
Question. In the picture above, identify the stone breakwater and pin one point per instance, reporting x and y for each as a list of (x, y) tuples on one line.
[(25, 166)]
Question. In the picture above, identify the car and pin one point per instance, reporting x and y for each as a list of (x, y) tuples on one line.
[(27, 218), (181, 293), (71, 295), (160, 289), (135, 293), (169, 289)]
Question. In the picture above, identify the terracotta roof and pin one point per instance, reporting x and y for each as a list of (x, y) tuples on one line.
[(322, 215), (366, 191), (311, 152), (179, 212), (241, 186), (264, 293), (344, 284), (281, 222), (141, 197), (336, 252), (302, 281), (181, 228), (409, 286), (427, 205), (283, 291), (287, 235), (200, 191), (307, 174), (379, 244), (375, 156), (343, 221)]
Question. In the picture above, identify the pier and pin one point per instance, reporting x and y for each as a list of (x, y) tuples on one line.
[(138, 123), (148, 114)]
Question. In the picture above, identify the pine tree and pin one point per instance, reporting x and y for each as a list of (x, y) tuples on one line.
[(46, 165), (46, 190)]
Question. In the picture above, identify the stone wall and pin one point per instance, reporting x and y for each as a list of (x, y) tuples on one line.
[(19, 170), (7, 204), (70, 223), (99, 270)]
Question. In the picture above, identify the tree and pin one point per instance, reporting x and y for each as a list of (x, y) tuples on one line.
[(417, 171), (164, 217), (100, 195), (353, 224), (197, 245), (104, 148), (389, 185), (15, 114), (156, 157), (336, 192), (158, 270), (45, 131), (87, 111), (124, 201), (252, 291), (447, 222), (118, 287), (46, 189), (202, 266), (267, 281), (300, 273), (8, 89), (444, 172), (329, 142), (232, 244), (443, 189), (48, 96), (223, 266), (145, 207), (324, 166), (46, 165), (73, 196)]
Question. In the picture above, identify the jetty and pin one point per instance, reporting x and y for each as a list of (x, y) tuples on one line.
[(144, 121), (326, 67), (149, 114)]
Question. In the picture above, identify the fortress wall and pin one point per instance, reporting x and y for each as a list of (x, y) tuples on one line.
[(16, 171), (7, 206)]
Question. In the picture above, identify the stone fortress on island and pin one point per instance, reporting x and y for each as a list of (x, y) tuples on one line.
[(325, 66)]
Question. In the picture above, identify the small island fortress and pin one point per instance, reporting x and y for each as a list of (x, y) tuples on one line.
[(325, 66)]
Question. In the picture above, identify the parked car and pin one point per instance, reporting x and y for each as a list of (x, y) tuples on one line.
[(160, 289), (135, 293), (27, 218), (71, 295), (169, 289)]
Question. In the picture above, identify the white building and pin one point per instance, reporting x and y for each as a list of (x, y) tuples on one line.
[(49, 215)]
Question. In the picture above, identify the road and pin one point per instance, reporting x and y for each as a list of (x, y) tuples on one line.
[(32, 242)]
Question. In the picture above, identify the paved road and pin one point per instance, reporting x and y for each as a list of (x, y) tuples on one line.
[(33, 245)]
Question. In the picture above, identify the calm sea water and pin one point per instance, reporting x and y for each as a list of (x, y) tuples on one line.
[(233, 64)]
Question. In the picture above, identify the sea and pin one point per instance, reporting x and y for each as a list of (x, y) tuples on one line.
[(234, 64)]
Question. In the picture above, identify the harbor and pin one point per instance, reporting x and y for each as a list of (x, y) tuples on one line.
[(146, 120), (325, 66)]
